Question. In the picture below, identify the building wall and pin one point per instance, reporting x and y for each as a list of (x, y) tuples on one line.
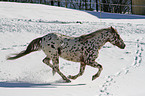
[(138, 7)]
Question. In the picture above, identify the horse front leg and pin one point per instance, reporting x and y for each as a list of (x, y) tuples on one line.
[(82, 69), (47, 61), (96, 65)]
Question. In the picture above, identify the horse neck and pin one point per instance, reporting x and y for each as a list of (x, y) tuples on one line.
[(102, 38), (99, 37)]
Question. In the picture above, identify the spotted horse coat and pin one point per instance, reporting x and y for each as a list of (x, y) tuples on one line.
[(83, 49)]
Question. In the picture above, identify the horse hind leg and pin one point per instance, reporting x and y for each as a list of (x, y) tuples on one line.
[(55, 62), (96, 65), (82, 69), (47, 61)]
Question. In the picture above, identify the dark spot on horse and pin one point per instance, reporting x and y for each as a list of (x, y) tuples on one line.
[(86, 41), (49, 38), (52, 42), (86, 53), (48, 44), (59, 50), (77, 49), (82, 59), (57, 60), (82, 48), (44, 39), (52, 46), (49, 51)]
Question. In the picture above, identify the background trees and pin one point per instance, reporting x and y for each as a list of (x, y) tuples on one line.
[(114, 6)]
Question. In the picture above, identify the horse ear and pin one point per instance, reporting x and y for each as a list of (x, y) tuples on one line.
[(111, 27)]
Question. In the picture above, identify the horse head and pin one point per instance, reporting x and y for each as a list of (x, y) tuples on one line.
[(115, 38)]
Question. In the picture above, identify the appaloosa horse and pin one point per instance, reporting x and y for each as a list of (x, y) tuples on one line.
[(83, 49)]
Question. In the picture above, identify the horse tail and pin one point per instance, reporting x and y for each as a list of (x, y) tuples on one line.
[(34, 45)]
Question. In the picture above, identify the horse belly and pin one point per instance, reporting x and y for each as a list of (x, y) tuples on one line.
[(71, 56)]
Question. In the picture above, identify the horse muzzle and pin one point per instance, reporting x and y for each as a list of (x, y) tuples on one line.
[(123, 46)]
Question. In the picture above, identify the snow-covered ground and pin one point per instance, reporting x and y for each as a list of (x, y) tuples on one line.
[(124, 70)]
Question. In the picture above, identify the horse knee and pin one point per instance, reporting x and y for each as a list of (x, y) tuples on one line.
[(81, 73), (45, 60), (55, 60)]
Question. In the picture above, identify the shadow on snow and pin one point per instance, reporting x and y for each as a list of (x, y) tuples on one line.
[(33, 85), (105, 15)]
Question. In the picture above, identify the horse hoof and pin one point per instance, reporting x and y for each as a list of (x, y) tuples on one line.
[(94, 77), (53, 72), (68, 81)]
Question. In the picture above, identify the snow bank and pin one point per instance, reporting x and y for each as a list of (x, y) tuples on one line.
[(45, 12)]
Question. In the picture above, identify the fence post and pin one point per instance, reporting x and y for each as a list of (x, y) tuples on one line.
[(97, 5), (52, 2), (86, 5), (66, 3), (58, 3), (100, 7)]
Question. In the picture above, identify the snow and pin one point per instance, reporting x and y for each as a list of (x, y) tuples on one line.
[(35, 11), (123, 73)]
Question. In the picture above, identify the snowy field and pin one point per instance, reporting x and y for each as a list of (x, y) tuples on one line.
[(124, 70)]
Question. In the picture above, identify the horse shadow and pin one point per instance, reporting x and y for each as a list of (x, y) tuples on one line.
[(34, 85)]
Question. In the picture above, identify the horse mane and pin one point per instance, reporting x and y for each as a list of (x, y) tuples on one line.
[(91, 35)]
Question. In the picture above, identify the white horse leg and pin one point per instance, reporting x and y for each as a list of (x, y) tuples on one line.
[(47, 61), (96, 65), (82, 69)]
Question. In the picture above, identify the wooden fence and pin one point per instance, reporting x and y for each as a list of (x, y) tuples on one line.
[(113, 6)]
